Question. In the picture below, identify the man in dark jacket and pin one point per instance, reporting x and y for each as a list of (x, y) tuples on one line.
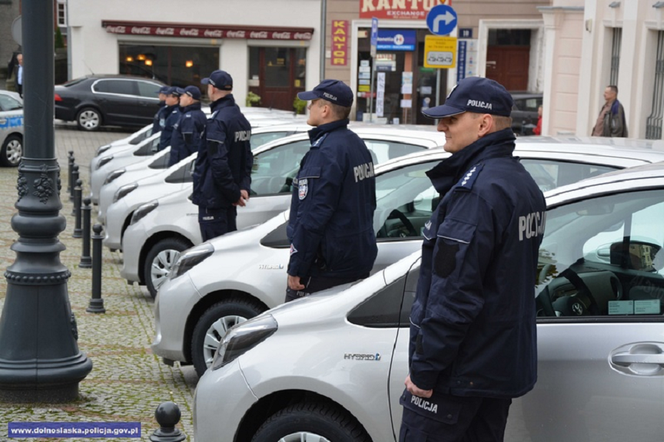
[(222, 176), (611, 120), (159, 120), (334, 198), (187, 132), (472, 337), (171, 117)]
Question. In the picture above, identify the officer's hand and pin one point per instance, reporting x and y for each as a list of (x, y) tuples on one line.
[(294, 283), (244, 194), (415, 390), (241, 202)]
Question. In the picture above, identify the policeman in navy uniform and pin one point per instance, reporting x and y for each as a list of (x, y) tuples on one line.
[(159, 119), (187, 132), (222, 176), (472, 337), (334, 197), (172, 116)]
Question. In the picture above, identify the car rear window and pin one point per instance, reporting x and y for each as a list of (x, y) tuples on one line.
[(148, 89)]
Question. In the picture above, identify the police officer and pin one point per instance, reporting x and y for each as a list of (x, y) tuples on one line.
[(159, 120), (472, 335), (171, 115), (187, 132), (222, 176), (334, 197)]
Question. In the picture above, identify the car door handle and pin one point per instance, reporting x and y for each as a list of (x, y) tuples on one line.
[(626, 359), (643, 358)]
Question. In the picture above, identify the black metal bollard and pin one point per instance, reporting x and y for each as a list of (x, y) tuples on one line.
[(74, 174), (167, 416), (78, 233), (71, 162), (96, 302), (86, 259)]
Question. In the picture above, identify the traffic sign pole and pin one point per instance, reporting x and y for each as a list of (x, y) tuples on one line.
[(374, 44)]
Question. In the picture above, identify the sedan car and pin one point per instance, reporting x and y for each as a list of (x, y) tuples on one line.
[(221, 281), (332, 366), (154, 244), (11, 128), (524, 112), (116, 100)]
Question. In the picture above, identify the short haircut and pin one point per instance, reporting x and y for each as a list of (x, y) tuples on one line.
[(614, 88), (341, 112), (500, 122)]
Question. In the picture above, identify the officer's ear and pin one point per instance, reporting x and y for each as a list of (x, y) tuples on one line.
[(487, 125)]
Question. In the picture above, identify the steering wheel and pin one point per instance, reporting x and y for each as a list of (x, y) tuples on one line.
[(579, 304), (410, 228)]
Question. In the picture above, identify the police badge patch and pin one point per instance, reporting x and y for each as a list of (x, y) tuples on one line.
[(303, 188)]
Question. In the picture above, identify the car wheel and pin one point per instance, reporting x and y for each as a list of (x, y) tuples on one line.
[(213, 325), (160, 260), (12, 151), (88, 119), (312, 422)]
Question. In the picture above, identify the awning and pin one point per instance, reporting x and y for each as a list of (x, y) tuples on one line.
[(206, 31)]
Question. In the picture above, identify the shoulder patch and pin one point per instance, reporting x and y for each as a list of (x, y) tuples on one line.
[(468, 180)]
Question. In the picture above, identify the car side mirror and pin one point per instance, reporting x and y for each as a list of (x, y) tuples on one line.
[(637, 255)]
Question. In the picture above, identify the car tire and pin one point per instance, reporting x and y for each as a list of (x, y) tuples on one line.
[(12, 151), (160, 260), (311, 421), (212, 326), (89, 119)]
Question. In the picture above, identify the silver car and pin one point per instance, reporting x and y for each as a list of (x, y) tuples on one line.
[(230, 278), (331, 367), (11, 128)]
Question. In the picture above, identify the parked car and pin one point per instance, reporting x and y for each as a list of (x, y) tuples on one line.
[(150, 253), (332, 366), (524, 112), (117, 100), (11, 128), (228, 279)]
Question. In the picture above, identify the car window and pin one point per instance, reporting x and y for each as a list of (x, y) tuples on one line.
[(182, 174), (603, 257), (273, 170), (405, 200), (382, 150), (527, 104), (549, 174), (260, 139), (8, 103), (123, 87), (148, 89), (149, 148)]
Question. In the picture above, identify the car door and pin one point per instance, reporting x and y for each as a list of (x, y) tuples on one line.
[(147, 101), (117, 99), (600, 324)]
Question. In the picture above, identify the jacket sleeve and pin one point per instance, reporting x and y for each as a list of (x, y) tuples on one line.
[(464, 245), (248, 167), (324, 178), (217, 149), (618, 127)]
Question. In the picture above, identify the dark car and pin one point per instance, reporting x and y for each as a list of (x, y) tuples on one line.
[(524, 112), (114, 100)]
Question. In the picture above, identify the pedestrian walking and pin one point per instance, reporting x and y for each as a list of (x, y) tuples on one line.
[(611, 120)]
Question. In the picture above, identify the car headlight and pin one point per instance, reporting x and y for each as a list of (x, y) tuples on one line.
[(191, 258), (114, 175), (242, 338), (102, 149), (143, 210), (104, 161), (124, 191)]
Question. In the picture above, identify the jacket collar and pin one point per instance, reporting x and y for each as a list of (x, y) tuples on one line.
[(191, 107), (226, 101), (323, 129), (449, 171)]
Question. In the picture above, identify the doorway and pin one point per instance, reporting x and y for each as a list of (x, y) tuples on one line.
[(276, 75), (508, 58)]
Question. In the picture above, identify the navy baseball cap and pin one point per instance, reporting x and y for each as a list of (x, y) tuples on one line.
[(176, 91), (474, 94), (219, 79), (164, 90), (193, 92), (334, 91)]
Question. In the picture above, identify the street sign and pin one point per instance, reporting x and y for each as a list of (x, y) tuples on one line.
[(374, 36), (440, 52), (441, 20)]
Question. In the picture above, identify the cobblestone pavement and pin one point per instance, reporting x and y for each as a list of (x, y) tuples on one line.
[(127, 381)]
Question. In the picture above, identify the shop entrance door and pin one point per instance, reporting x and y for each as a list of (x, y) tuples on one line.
[(508, 65), (281, 75)]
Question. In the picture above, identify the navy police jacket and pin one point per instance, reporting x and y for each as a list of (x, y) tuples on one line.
[(473, 319), (171, 115), (187, 133), (158, 121), (224, 162), (334, 198)]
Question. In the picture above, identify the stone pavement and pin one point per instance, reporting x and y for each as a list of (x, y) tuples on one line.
[(127, 381)]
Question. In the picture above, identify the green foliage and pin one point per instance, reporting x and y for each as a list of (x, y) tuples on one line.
[(299, 105), (59, 39), (253, 99)]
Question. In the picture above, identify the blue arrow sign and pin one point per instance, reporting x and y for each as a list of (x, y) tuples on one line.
[(441, 20)]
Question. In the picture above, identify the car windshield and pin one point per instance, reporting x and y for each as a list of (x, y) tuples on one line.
[(8, 103)]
